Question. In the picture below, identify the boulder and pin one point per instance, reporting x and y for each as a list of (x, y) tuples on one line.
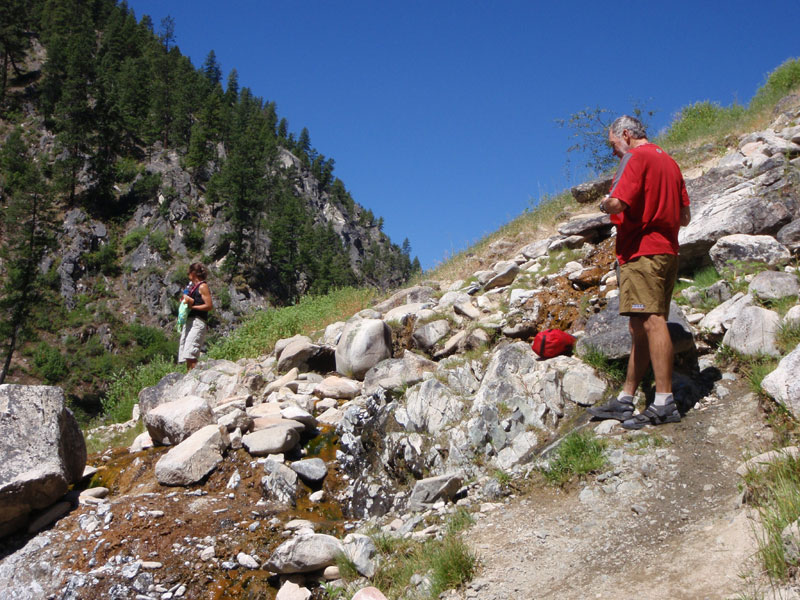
[(396, 373), (296, 355), (792, 316), (537, 248), (236, 419), (433, 489), (292, 591), (607, 331), (754, 332), (719, 320), (173, 422), (332, 333), (305, 553), (726, 201), (310, 470), (519, 452), (194, 458), (774, 285), (401, 314), (789, 235), (284, 343), (369, 593), (592, 191), (338, 387), (504, 276), (741, 248), (418, 293), (275, 439), (426, 336), (152, 396), (43, 451), (593, 226), (364, 343), (295, 413), (361, 549), (783, 384)]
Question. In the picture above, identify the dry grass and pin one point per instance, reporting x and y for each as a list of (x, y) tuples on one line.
[(531, 225)]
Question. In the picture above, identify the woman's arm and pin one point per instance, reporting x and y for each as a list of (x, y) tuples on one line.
[(205, 294)]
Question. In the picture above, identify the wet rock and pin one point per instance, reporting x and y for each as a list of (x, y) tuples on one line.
[(42, 448), (280, 483)]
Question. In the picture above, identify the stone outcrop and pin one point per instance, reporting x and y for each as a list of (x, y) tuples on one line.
[(42, 448)]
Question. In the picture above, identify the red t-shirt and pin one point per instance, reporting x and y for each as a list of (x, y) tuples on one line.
[(649, 181)]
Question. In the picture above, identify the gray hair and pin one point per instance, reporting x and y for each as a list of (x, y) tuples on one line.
[(634, 126)]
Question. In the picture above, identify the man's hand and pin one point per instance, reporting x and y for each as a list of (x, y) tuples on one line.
[(612, 206)]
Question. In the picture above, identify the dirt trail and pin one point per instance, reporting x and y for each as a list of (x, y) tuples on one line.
[(664, 522)]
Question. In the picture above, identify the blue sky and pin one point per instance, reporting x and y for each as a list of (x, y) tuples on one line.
[(440, 114)]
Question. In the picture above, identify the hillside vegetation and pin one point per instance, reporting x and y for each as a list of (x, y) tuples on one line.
[(129, 163)]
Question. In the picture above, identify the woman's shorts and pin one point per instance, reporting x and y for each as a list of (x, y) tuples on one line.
[(646, 284), (193, 336)]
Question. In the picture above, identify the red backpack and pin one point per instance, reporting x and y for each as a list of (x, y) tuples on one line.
[(552, 342)]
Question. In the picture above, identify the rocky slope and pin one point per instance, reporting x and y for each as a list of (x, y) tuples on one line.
[(432, 400)]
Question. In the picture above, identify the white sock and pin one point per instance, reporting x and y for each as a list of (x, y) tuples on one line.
[(622, 396), (662, 399)]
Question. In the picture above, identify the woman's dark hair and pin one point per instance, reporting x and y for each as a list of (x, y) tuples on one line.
[(199, 269)]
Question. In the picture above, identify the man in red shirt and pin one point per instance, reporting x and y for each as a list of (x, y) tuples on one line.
[(648, 203)]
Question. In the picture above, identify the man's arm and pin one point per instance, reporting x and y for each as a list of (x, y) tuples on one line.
[(686, 215), (611, 205)]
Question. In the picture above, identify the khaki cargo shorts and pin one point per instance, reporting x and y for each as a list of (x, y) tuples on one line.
[(192, 337), (646, 284)]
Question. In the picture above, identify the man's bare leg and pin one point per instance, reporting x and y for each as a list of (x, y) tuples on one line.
[(660, 346), (639, 359)]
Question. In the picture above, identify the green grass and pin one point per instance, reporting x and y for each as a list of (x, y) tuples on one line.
[(580, 453), (557, 260), (257, 335), (707, 120), (447, 562), (788, 337), (614, 370), (775, 493), (704, 278), (347, 568), (123, 390)]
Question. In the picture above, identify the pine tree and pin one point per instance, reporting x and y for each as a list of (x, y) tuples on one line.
[(28, 227)]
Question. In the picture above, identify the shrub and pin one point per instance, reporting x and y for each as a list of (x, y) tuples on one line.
[(579, 453), (158, 242), (124, 387), (780, 82), (194, 237), (104, 260), (133, 239), (49, 363), (125, 170)]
